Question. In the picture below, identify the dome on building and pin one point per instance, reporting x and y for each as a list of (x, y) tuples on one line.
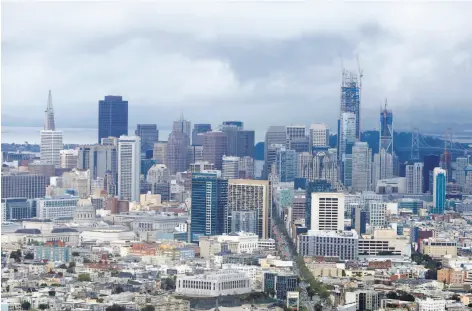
[(84, 211)]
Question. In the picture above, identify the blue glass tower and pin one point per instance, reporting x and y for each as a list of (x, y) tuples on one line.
[(439, 191), (287, 165), (209, 204), (112, 117)]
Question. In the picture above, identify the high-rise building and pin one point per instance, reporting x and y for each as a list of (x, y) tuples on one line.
[(209, 204), (439, 190), (69, 158), (246, 142), (160, 151), (182, 126), (315, 186), (99, 159), (176, 152), (382, 167), (295, 131), (414, 178), (319, 136), (361, 167), (129, 167), (286, 165), (461, 164), (299, 144), (238, 124), (149, 136), (276, 135), (246, 167), (24, 186), (378, 214), (112, 117), (231, 132), (51, 146), (214, 148), (197, 139), (230, 167), (386, 130), (250, 195), (305, 165), (350, 102), (327, 211), (49, 123), (348, 138), (17, 209), (245, 221), (195, 153), (359, 220), (430, 162)]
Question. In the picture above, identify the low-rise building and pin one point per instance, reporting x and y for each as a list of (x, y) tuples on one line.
[(437, 248), (342, 244), (213, 284)]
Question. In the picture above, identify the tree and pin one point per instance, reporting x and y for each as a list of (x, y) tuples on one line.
[(115, 307), (392, 295), (99, 300), (456, 297), (71, 264), (63, 266), (118, 290), (29, 256), (318, 307), (168, 284), (75, 254), (84, 277), (148, 308), (25, 305), (43, 306), (431, 275), (52, 293)]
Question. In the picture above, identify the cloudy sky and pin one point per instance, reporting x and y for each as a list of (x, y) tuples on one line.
[(265, 63)]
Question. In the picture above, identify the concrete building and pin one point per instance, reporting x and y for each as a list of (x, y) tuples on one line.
[(129, 167), (281, 283), (319, 136), (194, 154), (201, 166), (56, 207), (246, 167), (276, 135), (286, 163), (69, 158), (245, 221), (430, 304), (160, 152), (327, 211), (341, 244), (248, 195), (378, 214), (230, 167), (50, 147), (176, 152), (198, 129), (77, 180), (17, 209), (414, 178), (24, 186), (368, 300), (213, 284), (183, 126), (215, 145), (361, 167), (305, 165), (53, 251), (294, 132), (99, 159), (437, 247), (158, 173)]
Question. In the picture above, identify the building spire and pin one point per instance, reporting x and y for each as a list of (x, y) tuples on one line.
[(49, 123)]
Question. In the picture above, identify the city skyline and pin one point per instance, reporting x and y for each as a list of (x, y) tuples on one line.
[(234, 72)]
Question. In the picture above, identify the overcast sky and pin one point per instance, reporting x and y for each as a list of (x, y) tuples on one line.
[(262, 63)]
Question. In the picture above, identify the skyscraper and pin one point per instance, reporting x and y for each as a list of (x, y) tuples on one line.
[(246, 143), (250, 195), (197, 139), (230, 167), (276, 135), (112, 117), (350, 102), (214, 148), (327, 211), (294, 132), (246, 167), (286, 165), (183, 126), (317, 185), (414, 178), (231, 132), (386, 130), (319, 136), (361, 167), (51, 140), (209, 204), (160, 151), (238, 124), (99, 159), (49, 123), (439, 190), (347, 140), (382, 167), (430, 162), (176, 152), (129, 167), (149, 136)]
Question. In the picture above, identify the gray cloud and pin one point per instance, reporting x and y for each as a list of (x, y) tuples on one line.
[(263, 63)]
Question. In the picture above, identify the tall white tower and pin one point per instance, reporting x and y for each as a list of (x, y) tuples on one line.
[(51, 140), (129, 167)]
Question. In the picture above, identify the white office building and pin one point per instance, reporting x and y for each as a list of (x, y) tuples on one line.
[(378, 214), (230, 167), (214, 284), (319, 135), (361, 167), (341, 244), (129, 167), (69, 158), (414, 178), (246, 167), (327, 211), (432, 305), (55, 207), (51, 146)]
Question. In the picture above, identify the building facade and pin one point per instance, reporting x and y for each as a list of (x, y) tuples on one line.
[(112, 117), (327, 211), (215, 146), (341, 244), (129, 167), (149, 136), (439, 190)]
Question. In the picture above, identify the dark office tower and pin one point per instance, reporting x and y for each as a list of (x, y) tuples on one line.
[(16, 209), (359, 220), (246, 142), (276, 136), (176, 152), (112, 117), (209, 205), (231, 132), (197, 140), (238, 124), (24, 186), (318, 185), (215, 145), (149, 136), (430, 162), (183, 126)]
